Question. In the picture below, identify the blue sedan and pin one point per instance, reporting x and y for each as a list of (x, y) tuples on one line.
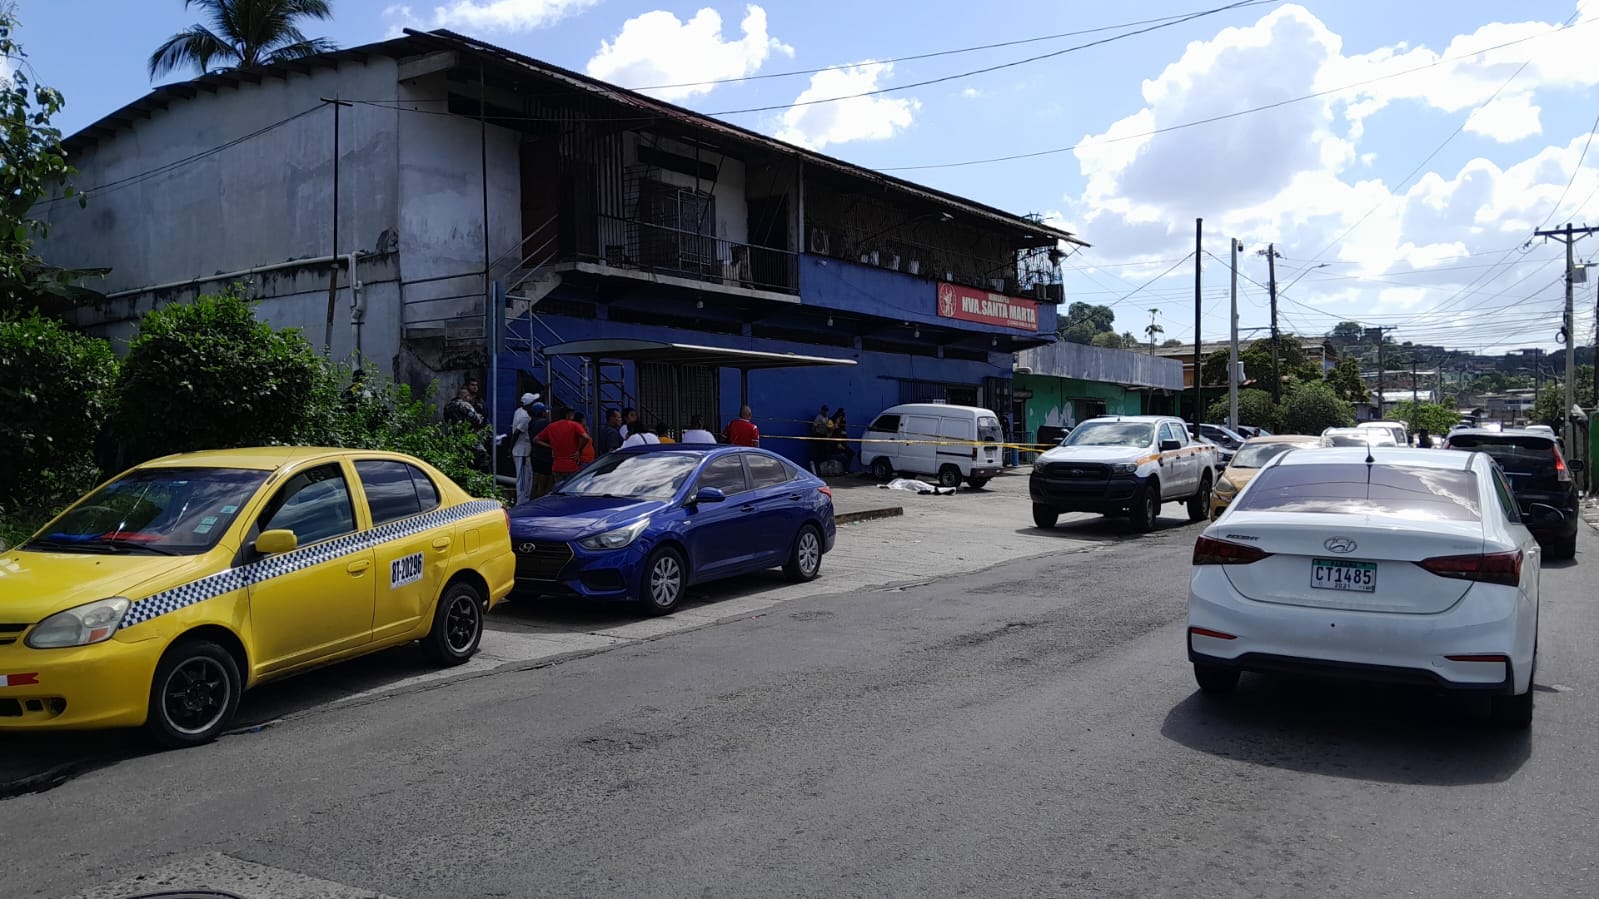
[(645, 523)]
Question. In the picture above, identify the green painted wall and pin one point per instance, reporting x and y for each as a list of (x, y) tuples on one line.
[(1058, 402)]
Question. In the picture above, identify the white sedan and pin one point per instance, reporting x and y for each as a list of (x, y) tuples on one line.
[(1382, 564)]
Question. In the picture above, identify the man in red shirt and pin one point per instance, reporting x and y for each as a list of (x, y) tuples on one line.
[(742, 431), (566, 439)]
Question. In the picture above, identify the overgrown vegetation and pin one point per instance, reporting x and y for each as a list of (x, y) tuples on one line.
[(202, 376)]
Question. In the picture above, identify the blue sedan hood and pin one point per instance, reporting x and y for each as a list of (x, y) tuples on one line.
[(575, 517)]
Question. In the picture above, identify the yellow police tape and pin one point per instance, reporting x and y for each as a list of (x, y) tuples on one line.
[(1024, 447)]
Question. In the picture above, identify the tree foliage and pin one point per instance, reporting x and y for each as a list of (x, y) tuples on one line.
[(243, 34), (210, 376), (1255, 409), (1549, 408), (55, 390), (1084, 320), (1344, 379), (33, 168), (1434, 418), (1312, 407)]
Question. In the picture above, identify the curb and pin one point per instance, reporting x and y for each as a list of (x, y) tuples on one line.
[(868, 514)]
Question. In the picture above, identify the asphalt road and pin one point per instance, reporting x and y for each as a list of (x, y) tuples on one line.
[(1032, 729)]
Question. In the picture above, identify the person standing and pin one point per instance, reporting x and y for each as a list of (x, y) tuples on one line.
[(629, 422), (696, 432), (461, 409), (641, 437), (742, 431), (821, 429), (522, 447), (566, 439), (611, 432), (539, 457)]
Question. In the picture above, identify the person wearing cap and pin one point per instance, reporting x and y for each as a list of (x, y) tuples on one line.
[(522, 447)]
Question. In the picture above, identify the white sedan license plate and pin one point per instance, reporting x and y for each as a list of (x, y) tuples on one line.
[(1338, 574)]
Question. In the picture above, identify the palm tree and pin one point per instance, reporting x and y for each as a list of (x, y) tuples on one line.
[(242, 34), (1153, 329)]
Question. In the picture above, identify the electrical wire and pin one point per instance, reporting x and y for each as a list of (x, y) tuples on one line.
[(1173, 19)]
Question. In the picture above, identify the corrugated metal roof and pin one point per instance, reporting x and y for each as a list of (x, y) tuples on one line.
[(415, 42)]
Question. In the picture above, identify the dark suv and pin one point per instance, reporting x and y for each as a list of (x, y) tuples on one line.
[(1540, 479)]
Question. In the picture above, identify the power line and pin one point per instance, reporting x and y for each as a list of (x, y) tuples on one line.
[(1233, 115), (994, 68), (1173, 19)]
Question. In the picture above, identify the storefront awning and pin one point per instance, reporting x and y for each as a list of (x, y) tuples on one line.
[(624, 349)]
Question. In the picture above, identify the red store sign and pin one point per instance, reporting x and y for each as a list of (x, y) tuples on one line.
[(972, 305)]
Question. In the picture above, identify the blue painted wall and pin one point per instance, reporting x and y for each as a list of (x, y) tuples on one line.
[(834, 284)]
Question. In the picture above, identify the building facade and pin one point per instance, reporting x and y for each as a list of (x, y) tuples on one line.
[(1063, 383), (472, 211)]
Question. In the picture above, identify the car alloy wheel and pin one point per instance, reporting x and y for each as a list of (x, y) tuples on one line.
[(196, 695), (805, 559), (463, 623), (665, 582)]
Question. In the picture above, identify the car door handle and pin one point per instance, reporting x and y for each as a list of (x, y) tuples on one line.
[(358, 568), (746, 508), (441, 543), (794, 496)]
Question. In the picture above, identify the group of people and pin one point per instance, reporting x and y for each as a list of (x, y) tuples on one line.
[(546, 451), (830, 442)]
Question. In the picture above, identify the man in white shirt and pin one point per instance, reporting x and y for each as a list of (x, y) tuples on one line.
[(696, 432), (629, 423), (522, 448), (640, 438)]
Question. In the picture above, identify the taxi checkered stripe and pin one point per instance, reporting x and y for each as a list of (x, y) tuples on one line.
[(224, 582)]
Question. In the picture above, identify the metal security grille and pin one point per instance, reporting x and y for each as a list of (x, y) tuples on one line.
[(696, 391), (922, 392)]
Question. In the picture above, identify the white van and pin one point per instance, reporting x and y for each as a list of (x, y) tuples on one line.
[(945, 442)]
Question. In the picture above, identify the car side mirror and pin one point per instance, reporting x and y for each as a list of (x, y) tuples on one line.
[(708, 495), (272, 543), (1167, 446), (1577, 465)]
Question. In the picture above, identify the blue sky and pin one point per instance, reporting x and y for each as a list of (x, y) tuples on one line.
[(1343, 184)]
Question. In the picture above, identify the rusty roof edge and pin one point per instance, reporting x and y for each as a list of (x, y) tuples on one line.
[(664, 109)]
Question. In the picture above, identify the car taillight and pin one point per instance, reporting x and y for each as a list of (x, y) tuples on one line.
[(974, 454), (1562, 473), (825, 491), (1488, 568), (1210, 551)]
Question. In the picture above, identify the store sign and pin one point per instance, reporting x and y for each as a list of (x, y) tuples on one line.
[(973, 305)]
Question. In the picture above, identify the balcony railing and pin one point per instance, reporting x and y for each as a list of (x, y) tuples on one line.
[(642, 246)]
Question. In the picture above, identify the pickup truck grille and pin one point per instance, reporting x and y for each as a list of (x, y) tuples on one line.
[(1087, 471)]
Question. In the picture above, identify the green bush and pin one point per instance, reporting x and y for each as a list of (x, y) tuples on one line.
[(1255, 409), (55, 391), (1313, 407), (210, 376), (377, 414), (1430, 417)]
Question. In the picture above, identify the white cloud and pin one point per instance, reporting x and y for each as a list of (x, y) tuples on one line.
[(858, 118), (1506, 119), (504, 16), (657, 48), (971, 93)]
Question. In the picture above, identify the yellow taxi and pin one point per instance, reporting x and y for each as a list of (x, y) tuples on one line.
[(160, 597), (1248, 461)]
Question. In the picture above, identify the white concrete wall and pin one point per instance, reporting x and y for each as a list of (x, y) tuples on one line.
[(264, 200)]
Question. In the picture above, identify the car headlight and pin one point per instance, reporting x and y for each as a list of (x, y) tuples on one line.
[(1124, 468), (1038, 466), (1225, 487), (623, 536), (93, 622)]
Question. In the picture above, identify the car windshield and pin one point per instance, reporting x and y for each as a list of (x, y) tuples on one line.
[(988, 430), (1221, 437), (1420, 493), (1111, 433), (161, 511), (1256, 455), (1358, 437), (634, 475)]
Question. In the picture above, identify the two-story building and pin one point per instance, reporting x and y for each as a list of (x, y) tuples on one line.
[(444, 208)]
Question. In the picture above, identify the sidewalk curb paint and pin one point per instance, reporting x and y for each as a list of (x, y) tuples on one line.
[(868, 514)]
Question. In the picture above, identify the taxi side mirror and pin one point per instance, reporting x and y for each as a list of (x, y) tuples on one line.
[(272, 543)]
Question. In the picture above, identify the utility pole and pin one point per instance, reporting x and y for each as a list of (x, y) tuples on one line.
[(1232, 352), (1414, 402), (1537, 375), (1381, 367), (1271, 285), (333, 279), (1199, 362), (1568, 236)]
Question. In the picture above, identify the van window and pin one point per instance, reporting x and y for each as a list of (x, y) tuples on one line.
[(920, 428), (988, 429), (889, 423), (955, 428)]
